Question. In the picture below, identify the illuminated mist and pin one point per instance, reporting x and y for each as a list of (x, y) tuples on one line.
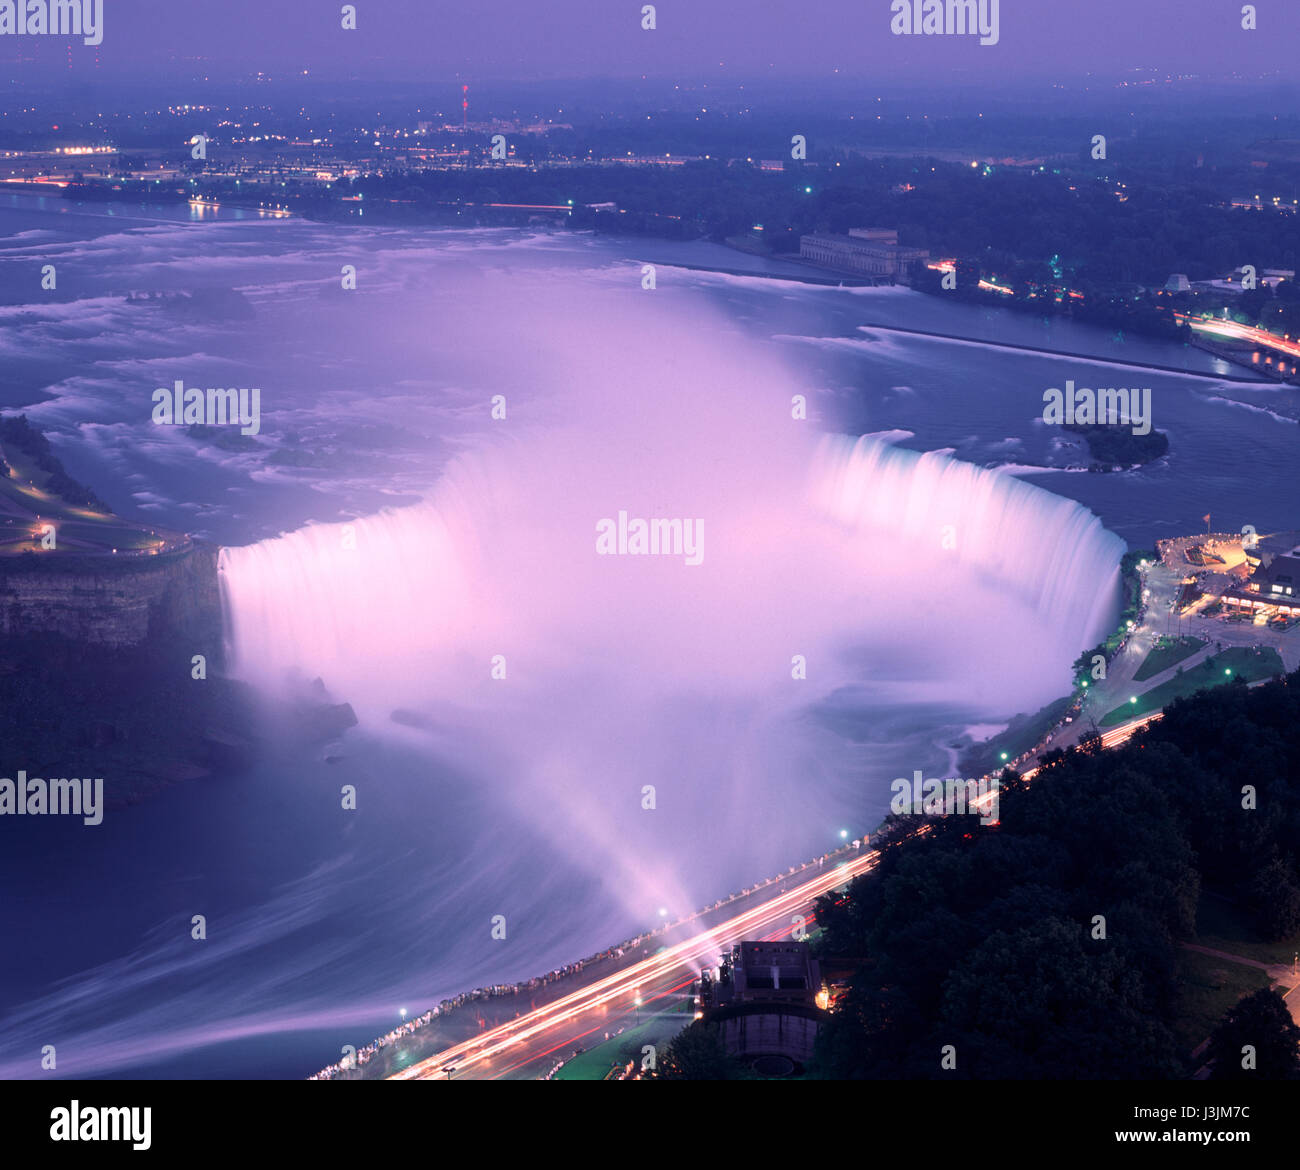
[(909, 578)]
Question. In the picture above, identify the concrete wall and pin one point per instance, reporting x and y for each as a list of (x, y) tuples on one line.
[(760, 1033)]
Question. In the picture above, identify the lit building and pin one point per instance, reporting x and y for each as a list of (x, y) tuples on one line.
[(767, 1004), (1272, 590), (868, 251)]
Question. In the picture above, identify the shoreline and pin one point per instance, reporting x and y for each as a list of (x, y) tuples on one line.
[(1038, 349), (855, 282)]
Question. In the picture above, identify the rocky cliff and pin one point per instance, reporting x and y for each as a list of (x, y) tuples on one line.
[(115, 602), (96, 671)]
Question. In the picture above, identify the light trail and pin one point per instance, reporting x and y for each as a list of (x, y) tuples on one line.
[(1241, 332)]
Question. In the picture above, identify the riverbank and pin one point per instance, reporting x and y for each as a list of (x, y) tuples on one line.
[(1083, 357)]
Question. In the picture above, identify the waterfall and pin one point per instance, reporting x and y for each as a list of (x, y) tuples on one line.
[(984, 524), (412, 604)]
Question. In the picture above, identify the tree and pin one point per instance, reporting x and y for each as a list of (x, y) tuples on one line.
[(1275, 893), (1260, 1022), (696, 1054)]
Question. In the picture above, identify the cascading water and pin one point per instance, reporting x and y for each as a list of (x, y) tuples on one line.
[(394, 607), (1048, 550)]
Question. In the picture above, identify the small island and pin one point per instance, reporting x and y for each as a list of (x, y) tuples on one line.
[(1115, 449)]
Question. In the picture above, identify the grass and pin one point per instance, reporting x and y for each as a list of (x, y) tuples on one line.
[(596, 1062), (1169, 653), (1224, 926), (1207, 988), (1242, 661)]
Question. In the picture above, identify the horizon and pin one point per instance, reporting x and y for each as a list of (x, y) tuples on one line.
[(723, 42)]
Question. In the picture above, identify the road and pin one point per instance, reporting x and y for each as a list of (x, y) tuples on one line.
[(1239, 332)]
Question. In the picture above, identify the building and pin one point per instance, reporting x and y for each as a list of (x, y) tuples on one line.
[(1178, 282), (1264, 606), (865, 251), (879, 235), (1279, 578), (1273, 589), (768, 1004)]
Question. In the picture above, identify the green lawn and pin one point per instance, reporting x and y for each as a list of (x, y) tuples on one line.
[(1170, 652), (596, 1062), (1241, 661), (1224, 926)]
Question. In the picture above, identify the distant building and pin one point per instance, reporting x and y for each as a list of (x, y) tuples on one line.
[(1178, 282), (868, 251)]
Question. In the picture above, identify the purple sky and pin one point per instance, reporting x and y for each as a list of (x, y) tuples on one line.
[(528, 39)]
